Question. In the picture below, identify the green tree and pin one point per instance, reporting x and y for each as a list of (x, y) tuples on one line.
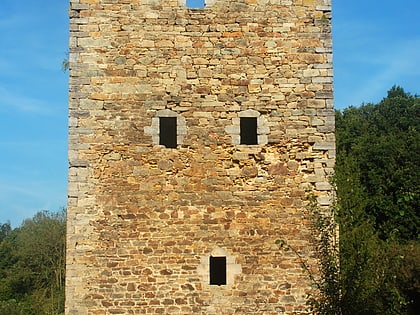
[(32, 266), (377, 179), (378, 151), (5, 230), (377, 267)]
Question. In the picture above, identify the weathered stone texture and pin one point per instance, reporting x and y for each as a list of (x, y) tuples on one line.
[(143, 219)]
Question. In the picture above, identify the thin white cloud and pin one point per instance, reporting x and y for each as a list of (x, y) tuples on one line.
[(22, 199), (400, 61), (369, 58), (13, 101), (373, 51), (31, 57), (12, 21), (39, 45), (392, 66)]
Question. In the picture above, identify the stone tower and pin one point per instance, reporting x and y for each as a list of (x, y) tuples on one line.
[(195, 136)]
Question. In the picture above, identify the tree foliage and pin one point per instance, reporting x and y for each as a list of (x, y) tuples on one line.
[(32, 266), (327, 297), (377, 179), (376, 268), (378, 154)]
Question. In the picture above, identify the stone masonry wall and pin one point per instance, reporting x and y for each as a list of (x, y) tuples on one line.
[(144, 219)]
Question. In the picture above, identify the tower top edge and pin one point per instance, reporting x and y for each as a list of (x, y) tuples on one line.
[(319, 4)]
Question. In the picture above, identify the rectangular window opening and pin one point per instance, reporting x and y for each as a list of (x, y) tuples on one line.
[(196, 4), (167, 132), (248, 133), (217, 270)]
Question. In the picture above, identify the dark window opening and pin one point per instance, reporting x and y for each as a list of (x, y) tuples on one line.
[(217, 270), (249, 130), (196, 4), (167, 132)]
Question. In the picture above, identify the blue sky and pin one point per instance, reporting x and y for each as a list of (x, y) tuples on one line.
[(376, 45)]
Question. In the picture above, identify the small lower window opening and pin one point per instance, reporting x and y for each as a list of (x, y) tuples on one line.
[(217, 270), (167, 132), (248, 133)]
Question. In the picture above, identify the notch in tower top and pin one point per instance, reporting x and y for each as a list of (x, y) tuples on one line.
[(195, 4)]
